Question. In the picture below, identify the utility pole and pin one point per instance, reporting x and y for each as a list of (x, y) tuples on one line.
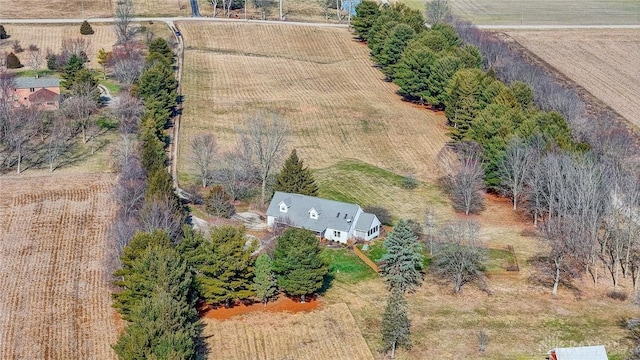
[(280, 10), (245, 10)]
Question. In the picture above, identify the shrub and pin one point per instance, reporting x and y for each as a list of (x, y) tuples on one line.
[(33, 47), (52, 62), (3, 33), (409, 182), (17, 48), (617, 295), (218, 203), (86, 29), (13, 62)]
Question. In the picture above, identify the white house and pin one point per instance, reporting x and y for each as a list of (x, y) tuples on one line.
[(579, 353), (333, 220)]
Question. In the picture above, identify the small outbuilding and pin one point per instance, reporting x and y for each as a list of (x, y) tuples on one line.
[(579, 353)]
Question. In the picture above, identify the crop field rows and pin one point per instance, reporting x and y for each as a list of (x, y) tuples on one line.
[(49, 37), (33, 9), (56, 301), (546, 12), (322, 82), (329, 333), (603, 62)]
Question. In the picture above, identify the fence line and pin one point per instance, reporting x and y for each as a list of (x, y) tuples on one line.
[(366, 259)]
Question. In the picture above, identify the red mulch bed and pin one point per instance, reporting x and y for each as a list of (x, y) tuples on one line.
[(282, 304)]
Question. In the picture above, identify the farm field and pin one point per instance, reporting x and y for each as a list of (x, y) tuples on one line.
[(327, 333), (545, 12), (51, 36), (320, 80), (56, 300), (33, 9), (603, 62)]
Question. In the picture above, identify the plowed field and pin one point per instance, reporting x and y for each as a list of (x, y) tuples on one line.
[(603, 62), (320, 79), (55, 301)]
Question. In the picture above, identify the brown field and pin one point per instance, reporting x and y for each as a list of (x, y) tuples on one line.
[(329, 333), (323, 83), (55, 301), (54, 9), (603, 62), (529, 12), (51, 36)]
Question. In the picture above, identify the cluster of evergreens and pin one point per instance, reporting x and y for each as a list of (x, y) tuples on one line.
[(433, 66)]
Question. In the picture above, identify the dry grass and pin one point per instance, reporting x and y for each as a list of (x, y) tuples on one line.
[(33, 9), (530, 12), (56, 301), (329, 333), (322, 82), (603, 62), (51, 36)]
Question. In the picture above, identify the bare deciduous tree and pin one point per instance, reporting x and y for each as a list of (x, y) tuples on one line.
[(124, 26), (438, 11), (126, 62), (464, 178), (514, 167), (203, 153), (79, 109), (7, 84), (237, 173), (19, 130), (161, 214), (127, 110), (80, 47), (35, 61), (562, 236), (460, 254), (265, 136), (57, 141)]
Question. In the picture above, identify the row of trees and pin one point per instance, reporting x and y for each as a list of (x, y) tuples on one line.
[(516, 136)]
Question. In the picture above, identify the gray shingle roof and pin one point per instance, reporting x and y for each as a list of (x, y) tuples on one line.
[(364, 222), (331, 214), (31, 82)]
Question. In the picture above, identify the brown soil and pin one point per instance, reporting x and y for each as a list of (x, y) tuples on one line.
[(282, 304)]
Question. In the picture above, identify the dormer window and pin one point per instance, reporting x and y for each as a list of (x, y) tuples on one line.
[(313, 214), (283, 207)]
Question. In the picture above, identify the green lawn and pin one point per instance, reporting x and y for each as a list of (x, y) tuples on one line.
[(111, 85), (346, 267)]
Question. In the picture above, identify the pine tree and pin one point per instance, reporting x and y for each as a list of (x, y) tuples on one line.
[(161, 47), (366, 14), (13, 62), (224, 266), (295, 177), (3, 33), (70, 69), (396, 330), (132, 278), (163, 324), (297, 263), (463, 100), (264, 281), (403, 260), (86, 29)]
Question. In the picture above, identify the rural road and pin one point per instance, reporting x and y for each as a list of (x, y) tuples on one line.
[(211, 19)]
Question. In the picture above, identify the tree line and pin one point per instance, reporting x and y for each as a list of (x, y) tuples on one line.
[(516, 130)]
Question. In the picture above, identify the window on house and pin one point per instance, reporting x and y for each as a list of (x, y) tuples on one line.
[(336, 233), (283, 208), (49, 103), (345, 216), (32, 89), (313, 215), (337, 216)]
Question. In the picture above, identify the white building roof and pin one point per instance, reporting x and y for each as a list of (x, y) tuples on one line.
[(579, 353)]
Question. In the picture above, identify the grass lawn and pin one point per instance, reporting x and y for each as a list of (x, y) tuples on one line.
[(32, 73), (346, 267), (111, 85)]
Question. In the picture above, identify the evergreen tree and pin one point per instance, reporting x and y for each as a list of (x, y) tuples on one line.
[(3, 33), (158, 84), (86, 29), (134, 280), (295, 178), (161, 47), (265, 285), (224, 265), (396, 330), (393, 47), (413, 70), (13, 62), (70, 69), (297, 263), (463, 100), (164, 323), (403, 260), (440, 73), (366, 13)]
